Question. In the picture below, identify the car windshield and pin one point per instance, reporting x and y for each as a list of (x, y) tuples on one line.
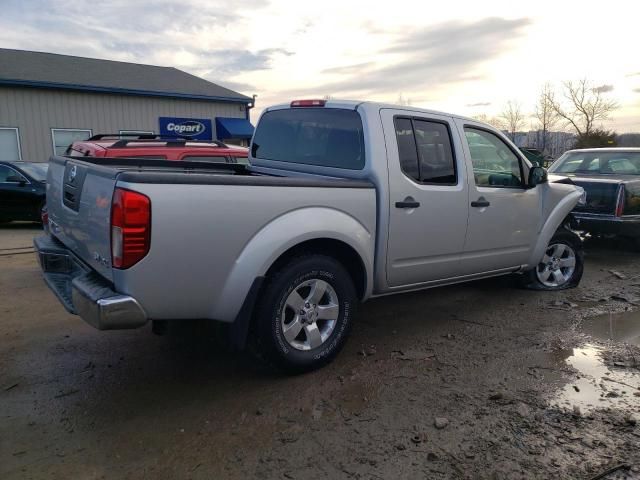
[(37, 171), (598, 163)]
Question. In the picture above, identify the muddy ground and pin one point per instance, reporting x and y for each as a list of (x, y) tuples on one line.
[(520, 384)]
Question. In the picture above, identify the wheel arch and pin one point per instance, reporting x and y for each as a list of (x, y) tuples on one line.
[(338, 249), (314, 230), (558, 217)]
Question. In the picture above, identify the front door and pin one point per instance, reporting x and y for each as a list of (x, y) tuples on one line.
[(428, 199), (504, 215)]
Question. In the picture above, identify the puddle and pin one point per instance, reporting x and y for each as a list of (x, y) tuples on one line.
[(620, 327), (598, 386)]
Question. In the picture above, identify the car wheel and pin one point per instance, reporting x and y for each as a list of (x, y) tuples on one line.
[(561, 266), (304, 314)]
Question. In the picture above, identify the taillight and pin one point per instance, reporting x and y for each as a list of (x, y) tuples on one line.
[(620, 201), (308, 103), (130, 227)]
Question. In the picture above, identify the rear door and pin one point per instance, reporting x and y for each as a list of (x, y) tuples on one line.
[(79, 204), (504, 215), (428, 197)]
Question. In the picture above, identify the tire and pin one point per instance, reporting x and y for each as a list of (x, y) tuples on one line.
[(298, 328), (562, 265)]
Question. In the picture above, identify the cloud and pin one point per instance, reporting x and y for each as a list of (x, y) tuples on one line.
[(430, 57), (349, 69), (185, 34), (241, 87), (231, 60), (603, 89), (479, 104), (635, 74), (637, 90)]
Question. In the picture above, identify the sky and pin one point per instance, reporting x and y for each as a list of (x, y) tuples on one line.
[(461, 57)]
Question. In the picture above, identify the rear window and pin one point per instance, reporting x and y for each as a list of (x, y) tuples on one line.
[(598, 163), (326, 137)]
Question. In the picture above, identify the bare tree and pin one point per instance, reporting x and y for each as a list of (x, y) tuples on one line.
[(403, 101), (483, 117), (583, 106), (546, 115), (512, 118)]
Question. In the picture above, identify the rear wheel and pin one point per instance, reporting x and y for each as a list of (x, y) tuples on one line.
[(561, 266), (304, 314)]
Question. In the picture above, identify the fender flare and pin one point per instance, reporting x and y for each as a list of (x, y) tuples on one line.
[(281, 234), (554, 220)]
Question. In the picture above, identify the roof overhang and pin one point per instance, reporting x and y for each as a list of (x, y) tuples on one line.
[(233, 128), (121, 91)]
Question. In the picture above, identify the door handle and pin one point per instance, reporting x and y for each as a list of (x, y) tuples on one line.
[(480, 203), (408, 203)]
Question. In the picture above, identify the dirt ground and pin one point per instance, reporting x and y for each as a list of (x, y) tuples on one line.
[(481, 380)]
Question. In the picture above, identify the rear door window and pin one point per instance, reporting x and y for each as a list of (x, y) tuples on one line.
[(9, 175), (425, 151), (326, 137)]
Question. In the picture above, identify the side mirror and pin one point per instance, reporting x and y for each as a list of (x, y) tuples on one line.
[(537, 175)]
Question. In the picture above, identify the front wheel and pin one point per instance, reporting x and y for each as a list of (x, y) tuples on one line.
[(304, 314), (561, 266)]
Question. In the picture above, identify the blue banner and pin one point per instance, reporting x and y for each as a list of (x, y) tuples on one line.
[(194, 128)]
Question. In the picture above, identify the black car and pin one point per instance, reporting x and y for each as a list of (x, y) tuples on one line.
[(611, 179), (22, 190)]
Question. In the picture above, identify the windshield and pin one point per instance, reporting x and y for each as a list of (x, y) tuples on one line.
[(37, 171), (598, 163)]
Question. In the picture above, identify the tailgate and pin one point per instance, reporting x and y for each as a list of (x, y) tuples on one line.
[(601, 196), (79, 204)]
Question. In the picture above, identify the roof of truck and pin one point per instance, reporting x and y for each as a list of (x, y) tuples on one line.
[(606, 149), (353, 104)]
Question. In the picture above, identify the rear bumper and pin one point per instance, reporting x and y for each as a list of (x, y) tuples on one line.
[(608, 224), (83, 292)]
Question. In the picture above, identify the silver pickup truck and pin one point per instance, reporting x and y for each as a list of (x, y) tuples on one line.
[(342, 202)]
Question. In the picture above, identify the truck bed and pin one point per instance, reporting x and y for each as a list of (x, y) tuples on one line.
[(204, 218)]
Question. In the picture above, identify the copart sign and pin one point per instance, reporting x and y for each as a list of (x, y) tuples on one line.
[(195, 128)]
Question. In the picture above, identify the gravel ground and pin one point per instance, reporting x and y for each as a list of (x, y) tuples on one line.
[(481, 380)]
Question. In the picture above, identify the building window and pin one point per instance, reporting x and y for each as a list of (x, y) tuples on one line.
[(135, 132), (63, 137), (9, 144)]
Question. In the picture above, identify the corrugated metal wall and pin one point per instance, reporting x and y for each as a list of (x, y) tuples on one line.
[(36, 111)]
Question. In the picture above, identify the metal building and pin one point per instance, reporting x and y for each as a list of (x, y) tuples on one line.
[(47, 101)]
